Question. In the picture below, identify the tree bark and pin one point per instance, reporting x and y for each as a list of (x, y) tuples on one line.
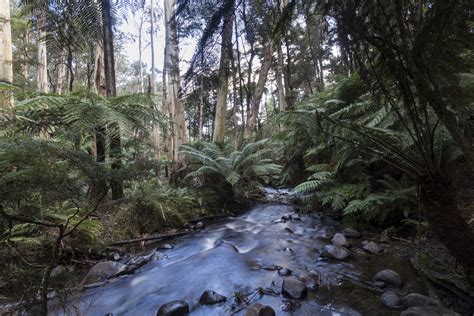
[(140, 57), (61, 72), (155, 129), (257, 97), (116, 183), (6, 63), (279, 79), (201, 107), (178, 126), (99, 71), (224, 72), (42, 68), (438, 197)]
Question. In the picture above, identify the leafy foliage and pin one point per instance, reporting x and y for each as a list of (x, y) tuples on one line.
[(241, 170)]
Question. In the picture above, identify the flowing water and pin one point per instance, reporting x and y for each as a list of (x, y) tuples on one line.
[(238, 256)]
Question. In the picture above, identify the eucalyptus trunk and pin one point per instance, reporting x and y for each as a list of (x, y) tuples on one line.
[(257, 97), (279, 80), (201, 107), (61, 72), (42, 68), (155, 129), (99, 70), (6, 64), (224, 73), (116, 182), (100, 188), (140, 57), (178, 126)]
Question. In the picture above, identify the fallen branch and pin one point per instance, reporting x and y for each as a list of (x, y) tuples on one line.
[(205, 218), (156, 237)]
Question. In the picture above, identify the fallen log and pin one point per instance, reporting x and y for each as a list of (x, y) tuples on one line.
[(205, 218), (156, 237)]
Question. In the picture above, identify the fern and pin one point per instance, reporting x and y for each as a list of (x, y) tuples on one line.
[(247, 167)]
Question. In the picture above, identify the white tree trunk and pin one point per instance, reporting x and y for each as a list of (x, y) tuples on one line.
[(178, 126), (42, 68), (99, 70), (6, 66), (61, 72), (155, 129), (223, 84), (279, 79)]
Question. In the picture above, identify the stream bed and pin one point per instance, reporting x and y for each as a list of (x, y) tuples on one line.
[(240, 258)]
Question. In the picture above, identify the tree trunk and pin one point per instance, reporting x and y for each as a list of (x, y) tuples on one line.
[(99, 138), (201, 107), (42, 68), (438, 196), (241, 78), (178, 126), (25, 67), (99, 71), (257, 97), (155, 129), (61, 72), (140, 58), (235, 114), (6, 64), (224, 71), (279, 79), (116, 183)]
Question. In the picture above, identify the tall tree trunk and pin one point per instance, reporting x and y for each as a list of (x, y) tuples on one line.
[(241, 78), (99, 70), (140, 57), (257, 97), (438, 197), (61, 72), (25, 67), (155, 129), (201, 107), (116, 183), (279, 79), (178, 126), (235, 114), (224, 71), (99, 149), (6, 63), (42, 68)]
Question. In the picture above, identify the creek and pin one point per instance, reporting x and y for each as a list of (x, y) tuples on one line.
[(239, 257)]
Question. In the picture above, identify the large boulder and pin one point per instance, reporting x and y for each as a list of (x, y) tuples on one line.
[(102, 271), (174, 308), (371, 247), (284, 272), (428, 311), (210, 297), (416, 299), (389, 277), (351, 233), (293, 288), (340, 240), (259, 310), (391, 300), (336, 252)]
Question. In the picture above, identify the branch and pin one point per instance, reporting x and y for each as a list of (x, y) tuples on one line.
[(156, 237)]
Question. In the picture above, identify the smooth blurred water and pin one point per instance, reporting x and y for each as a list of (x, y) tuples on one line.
[(229, 257)]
